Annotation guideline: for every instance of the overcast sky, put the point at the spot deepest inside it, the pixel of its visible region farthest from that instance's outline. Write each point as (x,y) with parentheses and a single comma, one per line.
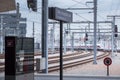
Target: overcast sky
(104,8)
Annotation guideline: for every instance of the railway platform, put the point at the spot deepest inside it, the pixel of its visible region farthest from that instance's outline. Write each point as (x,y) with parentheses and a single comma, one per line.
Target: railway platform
(88,71)
(99,69)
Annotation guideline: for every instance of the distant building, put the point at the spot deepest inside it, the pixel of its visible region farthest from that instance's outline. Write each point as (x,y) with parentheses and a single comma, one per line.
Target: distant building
(10,25)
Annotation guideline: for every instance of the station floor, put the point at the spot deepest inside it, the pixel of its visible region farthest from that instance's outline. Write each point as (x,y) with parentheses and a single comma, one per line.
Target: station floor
(88,71)
(98,69)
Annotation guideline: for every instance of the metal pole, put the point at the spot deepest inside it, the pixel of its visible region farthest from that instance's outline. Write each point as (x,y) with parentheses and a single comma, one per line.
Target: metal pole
(18,18)
(52,39)
(53,43)
(78,8)
(88,27)
(61,54)
(113,25)
(33,30)
(72,42)
(1,36)
(104,44)
(95,28)
(64,42)
(107,70)
(98,38)
(45,33)
(85,40)
(83,22)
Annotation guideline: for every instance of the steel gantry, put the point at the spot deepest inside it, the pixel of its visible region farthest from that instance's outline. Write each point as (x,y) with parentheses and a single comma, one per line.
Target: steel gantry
(86,22)
(114,39)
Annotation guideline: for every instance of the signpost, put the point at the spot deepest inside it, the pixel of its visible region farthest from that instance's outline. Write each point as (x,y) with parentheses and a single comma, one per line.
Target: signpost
(107,62)
(62,16)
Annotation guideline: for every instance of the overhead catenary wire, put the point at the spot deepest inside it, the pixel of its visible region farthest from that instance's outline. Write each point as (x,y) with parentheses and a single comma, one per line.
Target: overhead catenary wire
(81,17)
(117,7)
(79,14)
(78,2)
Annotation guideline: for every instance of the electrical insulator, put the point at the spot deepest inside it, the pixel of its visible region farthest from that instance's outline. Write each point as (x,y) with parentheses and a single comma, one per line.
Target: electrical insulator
(32,4)
(66,32)
(116,31)
(98,38)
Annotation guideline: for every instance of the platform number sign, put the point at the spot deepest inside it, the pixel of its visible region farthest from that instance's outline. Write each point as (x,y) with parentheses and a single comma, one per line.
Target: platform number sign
(10,43)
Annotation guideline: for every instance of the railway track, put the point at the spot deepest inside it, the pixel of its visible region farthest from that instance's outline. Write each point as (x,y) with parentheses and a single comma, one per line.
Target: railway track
(36,55)
(68,57)
(76,62)
(70,60)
